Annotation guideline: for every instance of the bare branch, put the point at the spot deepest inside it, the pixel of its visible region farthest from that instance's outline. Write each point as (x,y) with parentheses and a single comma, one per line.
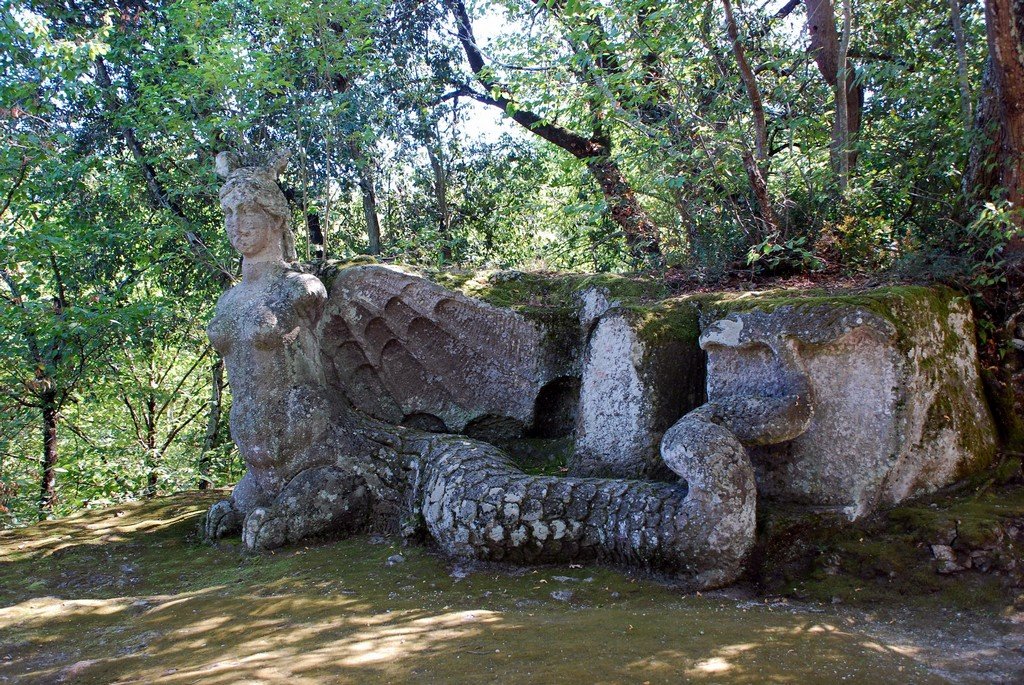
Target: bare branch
(177,388)
(180,427)
(573,143)
(22,174)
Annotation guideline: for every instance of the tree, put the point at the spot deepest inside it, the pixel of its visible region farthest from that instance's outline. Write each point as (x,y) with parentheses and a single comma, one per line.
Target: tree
(1004,21)
(158,380)
(53,319)
(67,292)
(594,148)
(756,164)
(827,49)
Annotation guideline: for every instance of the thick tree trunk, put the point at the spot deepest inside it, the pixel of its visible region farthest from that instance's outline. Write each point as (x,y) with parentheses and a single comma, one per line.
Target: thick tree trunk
(821,26)
(1004,20)
(48,488)
(641,233)
(982,176)
(213,417)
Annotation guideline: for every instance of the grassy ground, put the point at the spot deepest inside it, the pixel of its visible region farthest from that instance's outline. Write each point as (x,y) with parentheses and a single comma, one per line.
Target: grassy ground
(131,594)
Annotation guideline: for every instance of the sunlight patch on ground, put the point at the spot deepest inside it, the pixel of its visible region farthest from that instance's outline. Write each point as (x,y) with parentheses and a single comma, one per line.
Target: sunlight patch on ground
(78,531)
(389,643)
(713,665)
(42,610)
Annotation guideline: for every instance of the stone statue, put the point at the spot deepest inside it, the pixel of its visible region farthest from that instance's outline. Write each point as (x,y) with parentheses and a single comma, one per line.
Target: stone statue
(318,466)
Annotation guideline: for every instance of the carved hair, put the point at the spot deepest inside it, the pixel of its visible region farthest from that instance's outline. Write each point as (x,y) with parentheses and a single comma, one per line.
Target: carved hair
(259,183)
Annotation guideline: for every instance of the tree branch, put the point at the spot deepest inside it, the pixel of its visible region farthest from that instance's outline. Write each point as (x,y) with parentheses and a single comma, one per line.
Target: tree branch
(174,393)
(575,144)
(180,427)
(22,174)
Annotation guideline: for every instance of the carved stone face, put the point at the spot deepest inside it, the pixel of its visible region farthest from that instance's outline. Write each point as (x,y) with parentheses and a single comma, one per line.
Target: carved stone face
(251,229)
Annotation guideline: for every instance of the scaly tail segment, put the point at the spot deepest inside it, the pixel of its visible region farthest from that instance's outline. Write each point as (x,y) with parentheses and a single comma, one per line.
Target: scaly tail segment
(478,504)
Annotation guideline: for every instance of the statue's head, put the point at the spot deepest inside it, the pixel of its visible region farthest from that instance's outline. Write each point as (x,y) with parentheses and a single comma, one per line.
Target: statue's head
(256,213)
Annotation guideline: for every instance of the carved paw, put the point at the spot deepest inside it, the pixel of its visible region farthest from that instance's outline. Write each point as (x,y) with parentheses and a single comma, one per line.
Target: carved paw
(263,530)
(222,520)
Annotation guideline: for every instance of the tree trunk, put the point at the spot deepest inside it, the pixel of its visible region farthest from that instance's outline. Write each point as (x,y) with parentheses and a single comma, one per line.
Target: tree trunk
(441,200)
(366,188)
(961,64)
(641,233)
(750,83)
(1004,20)
(48,489)
(764,201)
(982,176)
(821,26)
(315,234)
(210,437)
(152,455)
(841,135)
(757,171)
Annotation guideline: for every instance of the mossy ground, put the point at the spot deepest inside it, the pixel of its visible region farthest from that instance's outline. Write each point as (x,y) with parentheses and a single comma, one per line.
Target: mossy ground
(131,594)
(888,558)
(540,457)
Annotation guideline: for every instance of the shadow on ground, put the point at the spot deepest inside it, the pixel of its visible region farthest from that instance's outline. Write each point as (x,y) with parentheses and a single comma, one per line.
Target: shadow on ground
(131,594)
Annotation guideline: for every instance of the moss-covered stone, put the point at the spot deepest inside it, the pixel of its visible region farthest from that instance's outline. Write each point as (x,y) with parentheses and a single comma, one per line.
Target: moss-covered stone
(923,378)
(668,320)
(327,270)
(642,370)
(897,401)
(525,290)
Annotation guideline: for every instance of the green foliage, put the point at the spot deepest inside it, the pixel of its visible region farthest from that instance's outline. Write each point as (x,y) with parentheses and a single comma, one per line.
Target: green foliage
(776,257)
(985,239)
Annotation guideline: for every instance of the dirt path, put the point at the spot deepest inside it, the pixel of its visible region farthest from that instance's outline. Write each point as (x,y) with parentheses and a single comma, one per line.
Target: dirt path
(130,595)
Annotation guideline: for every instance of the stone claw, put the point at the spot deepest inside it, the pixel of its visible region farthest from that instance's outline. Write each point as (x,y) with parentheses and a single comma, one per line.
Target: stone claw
(222,520)
(263,530)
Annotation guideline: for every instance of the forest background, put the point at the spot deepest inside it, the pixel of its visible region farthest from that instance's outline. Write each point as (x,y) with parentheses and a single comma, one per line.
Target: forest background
(699,141)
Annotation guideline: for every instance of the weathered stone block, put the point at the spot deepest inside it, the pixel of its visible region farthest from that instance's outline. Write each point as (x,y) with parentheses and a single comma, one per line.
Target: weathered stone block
(639,376)
(897,404)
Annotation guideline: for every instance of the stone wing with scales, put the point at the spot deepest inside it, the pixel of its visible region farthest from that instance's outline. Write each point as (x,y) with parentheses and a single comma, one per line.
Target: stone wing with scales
(408,351)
